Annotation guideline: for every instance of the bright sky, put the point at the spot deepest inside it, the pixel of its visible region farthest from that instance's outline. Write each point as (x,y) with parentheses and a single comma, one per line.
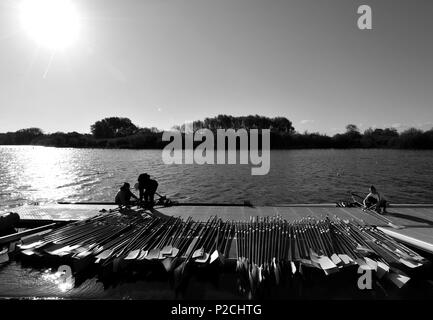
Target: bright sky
(162,62)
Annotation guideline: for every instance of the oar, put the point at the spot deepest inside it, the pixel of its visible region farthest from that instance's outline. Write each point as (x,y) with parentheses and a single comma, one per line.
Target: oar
(63,245)
(210,243)
(380,217)
(183,244)
(150,245)
(398,246)
(180,271)
(376,242)
(373,213)
(216,254)
(241,263)
(38,243)
(97,248)
(178,240)
(223,243)
(277,256)
(147,246)
(109,251)
(66,247)
(206,231)
(133,248)
(78,228)
(124,245)
(323,230)
(17,236)
(230,238)
(107,241)
(168,248)
(134,239)
(155,252)
(174,247)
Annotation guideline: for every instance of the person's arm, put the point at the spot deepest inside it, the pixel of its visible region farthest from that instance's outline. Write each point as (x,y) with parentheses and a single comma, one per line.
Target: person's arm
(365,200)
(133,195)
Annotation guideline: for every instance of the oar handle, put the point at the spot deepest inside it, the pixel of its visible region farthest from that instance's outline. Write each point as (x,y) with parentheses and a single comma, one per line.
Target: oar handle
(19,235)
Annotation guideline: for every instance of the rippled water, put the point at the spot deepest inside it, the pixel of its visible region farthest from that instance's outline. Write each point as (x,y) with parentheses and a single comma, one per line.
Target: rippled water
(42,174)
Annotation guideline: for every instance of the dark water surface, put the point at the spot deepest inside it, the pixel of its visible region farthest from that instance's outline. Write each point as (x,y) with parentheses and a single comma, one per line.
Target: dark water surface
(42,174)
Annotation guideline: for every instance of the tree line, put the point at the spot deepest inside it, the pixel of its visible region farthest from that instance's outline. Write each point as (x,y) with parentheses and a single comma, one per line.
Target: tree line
(115,132)
(222,121)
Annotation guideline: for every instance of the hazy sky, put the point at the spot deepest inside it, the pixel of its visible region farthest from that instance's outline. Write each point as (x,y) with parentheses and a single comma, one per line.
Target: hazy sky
(161,62)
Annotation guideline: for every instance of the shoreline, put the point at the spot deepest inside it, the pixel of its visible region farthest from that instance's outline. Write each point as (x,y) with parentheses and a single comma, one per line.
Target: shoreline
(273,149)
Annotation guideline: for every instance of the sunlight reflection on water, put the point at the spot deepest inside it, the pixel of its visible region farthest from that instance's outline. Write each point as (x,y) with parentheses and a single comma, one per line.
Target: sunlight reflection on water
(30,173)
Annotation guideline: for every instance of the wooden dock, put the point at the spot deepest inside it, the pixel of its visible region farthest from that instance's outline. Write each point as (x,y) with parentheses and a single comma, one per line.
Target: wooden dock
(417,220)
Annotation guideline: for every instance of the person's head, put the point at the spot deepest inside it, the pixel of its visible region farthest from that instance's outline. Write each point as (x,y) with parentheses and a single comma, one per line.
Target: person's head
(125,186)
(143,177)
(373,189)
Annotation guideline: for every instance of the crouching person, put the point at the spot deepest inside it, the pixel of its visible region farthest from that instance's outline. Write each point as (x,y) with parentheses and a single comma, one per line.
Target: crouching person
(124,195)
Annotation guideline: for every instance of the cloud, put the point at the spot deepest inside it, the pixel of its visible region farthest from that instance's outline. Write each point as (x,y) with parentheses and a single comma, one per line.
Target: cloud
(159,109)
(422,126)
(425,126)
(397,125)
(306,121)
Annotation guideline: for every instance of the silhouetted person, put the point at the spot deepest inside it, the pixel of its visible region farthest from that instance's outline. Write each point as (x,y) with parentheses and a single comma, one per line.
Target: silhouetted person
(374,198)
(123,197)
(8,223)
(147,189)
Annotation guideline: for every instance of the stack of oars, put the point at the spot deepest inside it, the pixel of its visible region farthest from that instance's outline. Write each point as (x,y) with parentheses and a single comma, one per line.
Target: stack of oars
(83,238)
(271,250)
(113,238)
(267,251)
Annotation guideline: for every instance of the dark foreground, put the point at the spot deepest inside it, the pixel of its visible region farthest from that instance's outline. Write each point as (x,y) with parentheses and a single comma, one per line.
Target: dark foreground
(296,252)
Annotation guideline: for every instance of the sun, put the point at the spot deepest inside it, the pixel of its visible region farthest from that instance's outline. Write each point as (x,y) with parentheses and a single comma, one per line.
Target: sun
(53,24)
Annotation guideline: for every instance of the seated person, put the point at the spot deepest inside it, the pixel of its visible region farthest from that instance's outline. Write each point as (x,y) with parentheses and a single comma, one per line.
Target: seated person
(8,224)
(123,197)
(374,198)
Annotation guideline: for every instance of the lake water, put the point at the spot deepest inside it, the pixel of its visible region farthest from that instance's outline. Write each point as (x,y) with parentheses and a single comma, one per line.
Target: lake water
(43,174)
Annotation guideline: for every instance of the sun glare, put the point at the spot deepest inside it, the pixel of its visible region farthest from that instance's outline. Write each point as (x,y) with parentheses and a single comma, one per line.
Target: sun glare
(53,24)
